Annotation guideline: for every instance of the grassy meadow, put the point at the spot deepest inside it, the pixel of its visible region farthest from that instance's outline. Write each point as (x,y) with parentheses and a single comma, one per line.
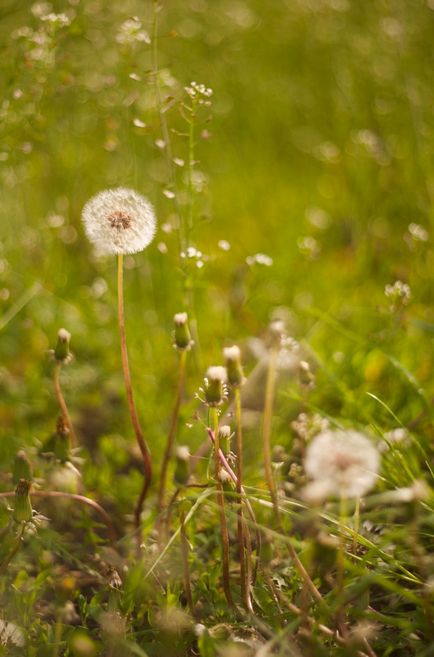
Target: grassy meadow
(287,150)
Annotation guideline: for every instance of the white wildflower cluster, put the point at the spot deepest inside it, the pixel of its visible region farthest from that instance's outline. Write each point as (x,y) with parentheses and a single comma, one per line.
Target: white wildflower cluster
(397,437)
(58,20)
(340,464)
(131,31)
(224,245)
(199,93)
(309,247)
(119,221)
(194,255)
(417,233)
(306,426)
(259,259)
(399,293)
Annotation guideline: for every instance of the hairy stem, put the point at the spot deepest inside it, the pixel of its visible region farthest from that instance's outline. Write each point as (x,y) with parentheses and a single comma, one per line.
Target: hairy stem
(147,463)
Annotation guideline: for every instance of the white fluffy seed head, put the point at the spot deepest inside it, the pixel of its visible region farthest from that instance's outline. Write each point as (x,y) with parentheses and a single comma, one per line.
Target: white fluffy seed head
(119,221)
(216,373)
(63,335)
(343,462)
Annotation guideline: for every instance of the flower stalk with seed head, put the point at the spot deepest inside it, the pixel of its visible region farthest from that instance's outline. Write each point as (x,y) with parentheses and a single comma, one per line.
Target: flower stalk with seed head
(121,221)
(235,376)
(182,343)
(63,356)
(215,393)
(181,477)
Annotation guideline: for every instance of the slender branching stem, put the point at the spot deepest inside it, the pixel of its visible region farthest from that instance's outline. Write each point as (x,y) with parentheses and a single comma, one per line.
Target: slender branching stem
(221,503)
(185,548)
(147,463)
(172,432)
(62,403)
(242,529)
(267,427)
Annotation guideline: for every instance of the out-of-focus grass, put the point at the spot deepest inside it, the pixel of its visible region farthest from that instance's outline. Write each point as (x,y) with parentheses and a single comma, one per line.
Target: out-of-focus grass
(318,153)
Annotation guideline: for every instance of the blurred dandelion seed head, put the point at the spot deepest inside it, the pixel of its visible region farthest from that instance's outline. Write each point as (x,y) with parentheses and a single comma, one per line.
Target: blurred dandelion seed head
(119,221)
(342,463)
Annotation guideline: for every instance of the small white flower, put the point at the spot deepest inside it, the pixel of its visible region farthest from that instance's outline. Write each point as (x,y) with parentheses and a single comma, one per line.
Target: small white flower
(119,221)
(343,463)
(216,373)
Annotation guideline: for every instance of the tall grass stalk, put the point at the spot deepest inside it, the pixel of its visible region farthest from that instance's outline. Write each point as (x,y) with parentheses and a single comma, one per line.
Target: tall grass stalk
(147,463)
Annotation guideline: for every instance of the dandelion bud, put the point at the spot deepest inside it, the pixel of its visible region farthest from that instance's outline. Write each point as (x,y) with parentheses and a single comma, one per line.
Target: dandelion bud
(215,385)
(22,468)
(22,505)
(182,459)
(182,332)
(234,369)
(61,352)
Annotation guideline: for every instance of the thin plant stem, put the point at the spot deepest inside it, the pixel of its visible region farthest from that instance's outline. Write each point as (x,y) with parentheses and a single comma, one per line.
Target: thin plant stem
(164,126)
(247,503)
(62,403)
(356,523)
(245,545)
(172,432)
(266,429)
(266,437)
(221,504)
(147,463)
(185,564)
(8,558)
(340,567)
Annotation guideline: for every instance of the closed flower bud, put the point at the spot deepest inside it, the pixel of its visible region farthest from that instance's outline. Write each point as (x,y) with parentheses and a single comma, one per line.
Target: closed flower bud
(234,370)
(182,335)
(22,505)
(61,352)
(182,459)
(215,385)
(22,468)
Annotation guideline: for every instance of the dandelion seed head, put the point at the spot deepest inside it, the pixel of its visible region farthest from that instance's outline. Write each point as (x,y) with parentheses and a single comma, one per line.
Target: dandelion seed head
(180,318)
(183,453)
(119,221)
(225,431)
(343,462)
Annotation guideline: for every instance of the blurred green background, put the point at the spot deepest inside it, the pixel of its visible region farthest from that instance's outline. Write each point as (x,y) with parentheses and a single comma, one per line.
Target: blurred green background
(317,151)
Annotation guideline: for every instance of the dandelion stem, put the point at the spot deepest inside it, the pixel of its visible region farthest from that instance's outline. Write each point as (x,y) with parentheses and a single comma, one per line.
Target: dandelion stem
(340,567)
(266,429)
(62,403)
(356,524)
(130,397)
(185,563)
(4,564)
(172,431)
(244,544)
(221,503)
